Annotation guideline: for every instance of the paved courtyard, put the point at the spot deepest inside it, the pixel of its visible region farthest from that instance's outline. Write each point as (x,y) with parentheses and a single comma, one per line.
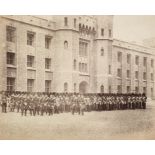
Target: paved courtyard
(127,124)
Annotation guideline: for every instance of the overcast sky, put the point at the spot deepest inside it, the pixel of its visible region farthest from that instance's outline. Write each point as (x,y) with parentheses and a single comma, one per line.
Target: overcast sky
(134,28)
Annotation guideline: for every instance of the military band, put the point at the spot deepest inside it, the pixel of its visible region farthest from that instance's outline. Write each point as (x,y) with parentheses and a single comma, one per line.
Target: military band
(56,103)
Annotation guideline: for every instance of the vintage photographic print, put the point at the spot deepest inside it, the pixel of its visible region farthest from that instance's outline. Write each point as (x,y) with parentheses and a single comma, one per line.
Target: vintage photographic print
(68,77)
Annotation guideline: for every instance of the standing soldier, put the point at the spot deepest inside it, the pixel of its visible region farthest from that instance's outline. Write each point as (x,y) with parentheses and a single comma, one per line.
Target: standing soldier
(4,103)
(144,98)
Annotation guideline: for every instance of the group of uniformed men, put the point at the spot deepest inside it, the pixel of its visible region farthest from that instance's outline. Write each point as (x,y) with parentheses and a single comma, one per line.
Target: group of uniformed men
(55,103)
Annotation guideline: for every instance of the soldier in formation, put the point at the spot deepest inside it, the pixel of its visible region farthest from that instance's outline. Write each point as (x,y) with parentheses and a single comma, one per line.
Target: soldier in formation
(56,103)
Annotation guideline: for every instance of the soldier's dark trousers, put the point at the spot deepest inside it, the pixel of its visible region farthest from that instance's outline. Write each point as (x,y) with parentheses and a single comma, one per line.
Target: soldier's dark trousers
(144,105)
(3,109)
(25,112)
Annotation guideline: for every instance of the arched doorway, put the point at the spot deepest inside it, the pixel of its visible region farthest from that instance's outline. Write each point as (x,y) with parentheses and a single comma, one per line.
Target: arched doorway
(83,87)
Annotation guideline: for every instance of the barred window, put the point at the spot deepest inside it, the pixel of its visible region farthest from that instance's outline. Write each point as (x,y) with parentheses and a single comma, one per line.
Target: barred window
(47,63)
(47,86)
(119,57)
(110,34)
(10,84)
(119,72)
(152,63)
(66,21)
(144,61)
(30,38)
(74,87)
(128,73)
(83,47)
(128,58)
(137,60)
(65,87)
(102,32)
(128,88)
(144,75)
(74,22)
(30,61)
(10,58)
(10,33)
(74,64)
(152,77)
(30,85)
(136,74)
(102,89)
(47,42)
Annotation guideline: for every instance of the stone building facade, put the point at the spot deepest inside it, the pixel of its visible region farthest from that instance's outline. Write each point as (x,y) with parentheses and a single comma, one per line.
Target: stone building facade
(71,54)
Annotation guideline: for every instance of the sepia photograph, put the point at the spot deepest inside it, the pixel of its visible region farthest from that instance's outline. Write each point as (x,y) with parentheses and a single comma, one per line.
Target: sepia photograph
(77,77)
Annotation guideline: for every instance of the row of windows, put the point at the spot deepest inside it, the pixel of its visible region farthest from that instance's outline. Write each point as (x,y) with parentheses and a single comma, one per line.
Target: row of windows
(128,74)
(83,67)
(11,37)
(119,59)
(128,89)
(30,85)
(30,60)
(109,32)
(66,22)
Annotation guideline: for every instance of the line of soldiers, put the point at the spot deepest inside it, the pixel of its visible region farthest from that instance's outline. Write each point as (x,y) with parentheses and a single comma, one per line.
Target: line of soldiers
(55,103)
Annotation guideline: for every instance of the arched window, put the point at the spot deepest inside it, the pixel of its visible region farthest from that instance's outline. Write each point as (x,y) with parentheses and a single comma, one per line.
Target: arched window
(102,51)
(74,65)
(65,87)
(102,89)
(65,44)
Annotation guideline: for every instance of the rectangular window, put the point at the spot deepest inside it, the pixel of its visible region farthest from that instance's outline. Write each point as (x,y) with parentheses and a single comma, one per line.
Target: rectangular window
(119,89)
(86,69)
(109,89)
(30,85)
(47,63)
(137,60)
(152,77)
(119,72)
(128,73)
(128,58)
(128,89)
(136,75)
(30,38)
(144,75)
(144,61)
(74,87)
(102,32)
(144,90)
(83,47)
(74,22)
(136,90)
(109,32)
(10,84)
(10,58)
(66,21)
(152,63)
(10,33)
(109,69)
(47,86)
(151,92)
(30,61)
(119,57)
(47,42)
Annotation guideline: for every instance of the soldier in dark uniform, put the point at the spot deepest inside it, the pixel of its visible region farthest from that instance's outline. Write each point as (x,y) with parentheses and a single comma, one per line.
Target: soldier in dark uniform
(144,98)
(4,103)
